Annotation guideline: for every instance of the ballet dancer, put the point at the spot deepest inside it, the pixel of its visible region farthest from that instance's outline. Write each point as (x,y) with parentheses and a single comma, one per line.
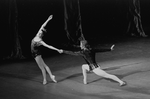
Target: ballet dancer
(89,55)
(36,44)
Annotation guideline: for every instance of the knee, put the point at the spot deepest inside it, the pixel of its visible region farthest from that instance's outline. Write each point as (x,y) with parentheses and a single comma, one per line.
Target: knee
(106,75)
(42,69)
(100,72)
(46,66)
(84,66)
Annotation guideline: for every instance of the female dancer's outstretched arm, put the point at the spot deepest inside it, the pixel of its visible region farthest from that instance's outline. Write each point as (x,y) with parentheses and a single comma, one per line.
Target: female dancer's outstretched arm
(50,47)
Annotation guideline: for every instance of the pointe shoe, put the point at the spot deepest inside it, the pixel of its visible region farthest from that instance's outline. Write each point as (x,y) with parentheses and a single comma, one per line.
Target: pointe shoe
(53,79)
(123,84)
(44,82)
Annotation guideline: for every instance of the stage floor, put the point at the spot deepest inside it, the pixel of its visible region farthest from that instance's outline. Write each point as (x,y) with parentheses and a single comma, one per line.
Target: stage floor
(130,61)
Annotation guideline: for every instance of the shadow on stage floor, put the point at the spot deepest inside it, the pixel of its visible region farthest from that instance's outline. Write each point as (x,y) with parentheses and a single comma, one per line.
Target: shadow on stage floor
(130,61)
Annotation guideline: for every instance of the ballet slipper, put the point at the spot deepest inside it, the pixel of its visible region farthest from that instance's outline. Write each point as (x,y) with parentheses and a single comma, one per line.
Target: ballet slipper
(123,84)
(44,82)
(84,81)
(53,78)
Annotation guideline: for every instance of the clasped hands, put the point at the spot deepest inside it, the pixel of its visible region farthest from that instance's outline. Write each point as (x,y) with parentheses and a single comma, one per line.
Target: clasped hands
(60,51)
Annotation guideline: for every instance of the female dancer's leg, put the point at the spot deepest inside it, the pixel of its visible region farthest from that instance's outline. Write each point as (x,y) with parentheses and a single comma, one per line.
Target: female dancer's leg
(44,68)
(49,72)
(41,66)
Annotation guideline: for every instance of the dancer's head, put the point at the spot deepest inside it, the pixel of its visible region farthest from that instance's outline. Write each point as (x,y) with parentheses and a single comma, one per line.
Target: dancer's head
(83,44)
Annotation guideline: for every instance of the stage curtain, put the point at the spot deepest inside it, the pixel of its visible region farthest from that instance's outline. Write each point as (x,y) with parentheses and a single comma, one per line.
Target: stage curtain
(91,25)
(72,19)
(110,18)
(134,17)
(14,41)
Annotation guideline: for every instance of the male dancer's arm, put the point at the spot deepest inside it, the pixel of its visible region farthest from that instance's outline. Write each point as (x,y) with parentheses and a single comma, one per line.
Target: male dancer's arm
(104,49)
(72,52)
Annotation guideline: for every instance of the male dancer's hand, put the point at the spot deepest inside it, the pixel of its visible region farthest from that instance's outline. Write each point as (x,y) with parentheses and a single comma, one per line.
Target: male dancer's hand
(112,47)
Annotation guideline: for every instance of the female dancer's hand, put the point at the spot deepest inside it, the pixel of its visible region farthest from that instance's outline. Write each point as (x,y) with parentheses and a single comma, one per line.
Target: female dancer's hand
(50,17)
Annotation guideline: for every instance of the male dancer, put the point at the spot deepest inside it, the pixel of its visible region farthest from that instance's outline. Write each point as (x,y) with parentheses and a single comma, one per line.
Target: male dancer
(89,55)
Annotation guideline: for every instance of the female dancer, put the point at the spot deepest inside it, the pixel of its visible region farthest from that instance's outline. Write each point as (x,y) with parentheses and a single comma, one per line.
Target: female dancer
(89,55)
(35,49)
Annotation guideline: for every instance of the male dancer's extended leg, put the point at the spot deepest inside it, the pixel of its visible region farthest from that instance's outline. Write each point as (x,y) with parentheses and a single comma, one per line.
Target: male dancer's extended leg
(102,73)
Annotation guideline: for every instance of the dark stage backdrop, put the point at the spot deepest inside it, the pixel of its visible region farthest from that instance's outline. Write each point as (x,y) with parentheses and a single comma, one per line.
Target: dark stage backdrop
(101,20)
(113,18)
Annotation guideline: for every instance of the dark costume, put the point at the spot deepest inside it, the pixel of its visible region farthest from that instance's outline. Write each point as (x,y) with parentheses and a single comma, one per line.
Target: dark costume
(35,48)
(89,55)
